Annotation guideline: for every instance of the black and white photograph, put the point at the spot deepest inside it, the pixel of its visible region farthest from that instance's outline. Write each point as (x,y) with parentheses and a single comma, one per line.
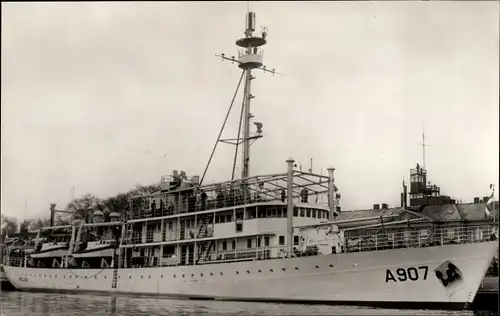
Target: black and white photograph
(250,158)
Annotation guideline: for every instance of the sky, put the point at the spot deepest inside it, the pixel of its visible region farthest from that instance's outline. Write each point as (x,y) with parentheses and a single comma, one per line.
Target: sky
(103,96)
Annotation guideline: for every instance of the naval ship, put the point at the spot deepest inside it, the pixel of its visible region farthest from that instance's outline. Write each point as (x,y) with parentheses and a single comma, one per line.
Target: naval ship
(270,237)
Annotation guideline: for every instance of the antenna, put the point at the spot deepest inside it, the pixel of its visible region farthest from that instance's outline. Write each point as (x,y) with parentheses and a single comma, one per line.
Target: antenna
(424,145)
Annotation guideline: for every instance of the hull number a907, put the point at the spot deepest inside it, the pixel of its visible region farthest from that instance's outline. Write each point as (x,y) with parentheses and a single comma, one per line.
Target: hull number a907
(408,274)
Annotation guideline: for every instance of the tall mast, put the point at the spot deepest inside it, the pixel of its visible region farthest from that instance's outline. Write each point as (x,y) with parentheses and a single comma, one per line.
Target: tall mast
(250,56)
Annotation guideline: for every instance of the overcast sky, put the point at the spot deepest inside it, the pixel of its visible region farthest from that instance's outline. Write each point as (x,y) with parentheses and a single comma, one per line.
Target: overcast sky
(95,94)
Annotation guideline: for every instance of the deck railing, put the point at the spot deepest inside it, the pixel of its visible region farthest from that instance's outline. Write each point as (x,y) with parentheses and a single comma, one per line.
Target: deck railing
(267,188)
(420,238)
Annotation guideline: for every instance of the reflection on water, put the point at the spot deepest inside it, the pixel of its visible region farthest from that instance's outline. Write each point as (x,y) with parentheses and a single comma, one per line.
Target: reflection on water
(42,304)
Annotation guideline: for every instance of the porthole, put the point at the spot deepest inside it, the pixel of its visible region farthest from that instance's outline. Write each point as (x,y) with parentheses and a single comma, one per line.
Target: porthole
(211,274)
(85,277)
(316,266)
(259,270)
(70,276)
(271,270)
(161,276)
(130,277)
(149,277)
(142,277)
(221,273)
(55,276)
(183,275)
(95,277)
(45,276)
(175,276)
(105,277)
(201,274)
(237,272)
(248,271)
(296,268)
(331,265)
(65,277)
(192,275)
(283,269)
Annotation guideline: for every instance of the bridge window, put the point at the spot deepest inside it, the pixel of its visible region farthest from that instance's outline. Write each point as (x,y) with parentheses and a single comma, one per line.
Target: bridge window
(314,213)
(258,241)
(224,245)
(308,213)
(233,244)
(249,243)
(295,212)
(266,241)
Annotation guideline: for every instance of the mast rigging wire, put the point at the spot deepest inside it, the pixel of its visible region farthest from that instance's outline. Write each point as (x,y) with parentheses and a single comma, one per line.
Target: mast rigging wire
(222,128)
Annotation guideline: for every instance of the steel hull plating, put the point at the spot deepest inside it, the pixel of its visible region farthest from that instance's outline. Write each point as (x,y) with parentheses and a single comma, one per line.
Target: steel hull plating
(362,278)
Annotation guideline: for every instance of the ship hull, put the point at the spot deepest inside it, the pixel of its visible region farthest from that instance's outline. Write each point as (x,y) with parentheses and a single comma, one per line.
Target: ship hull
(401,278)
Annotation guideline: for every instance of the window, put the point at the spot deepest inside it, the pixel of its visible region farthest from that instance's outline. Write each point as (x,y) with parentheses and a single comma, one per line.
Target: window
(295,212)
(249,243)
(295,240)
(308,213)
(282,240)
(239,227)
(170,225)
(233,244)
(302,213)
(284,212)
(314,213)
(258,241)
(224,245)
(229,218)
(266,241)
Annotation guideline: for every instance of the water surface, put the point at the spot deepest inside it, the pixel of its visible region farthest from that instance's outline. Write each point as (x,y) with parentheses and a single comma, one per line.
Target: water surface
(44,304)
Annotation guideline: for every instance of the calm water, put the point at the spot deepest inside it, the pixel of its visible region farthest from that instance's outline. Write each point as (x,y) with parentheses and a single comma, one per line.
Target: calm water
(42,304)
